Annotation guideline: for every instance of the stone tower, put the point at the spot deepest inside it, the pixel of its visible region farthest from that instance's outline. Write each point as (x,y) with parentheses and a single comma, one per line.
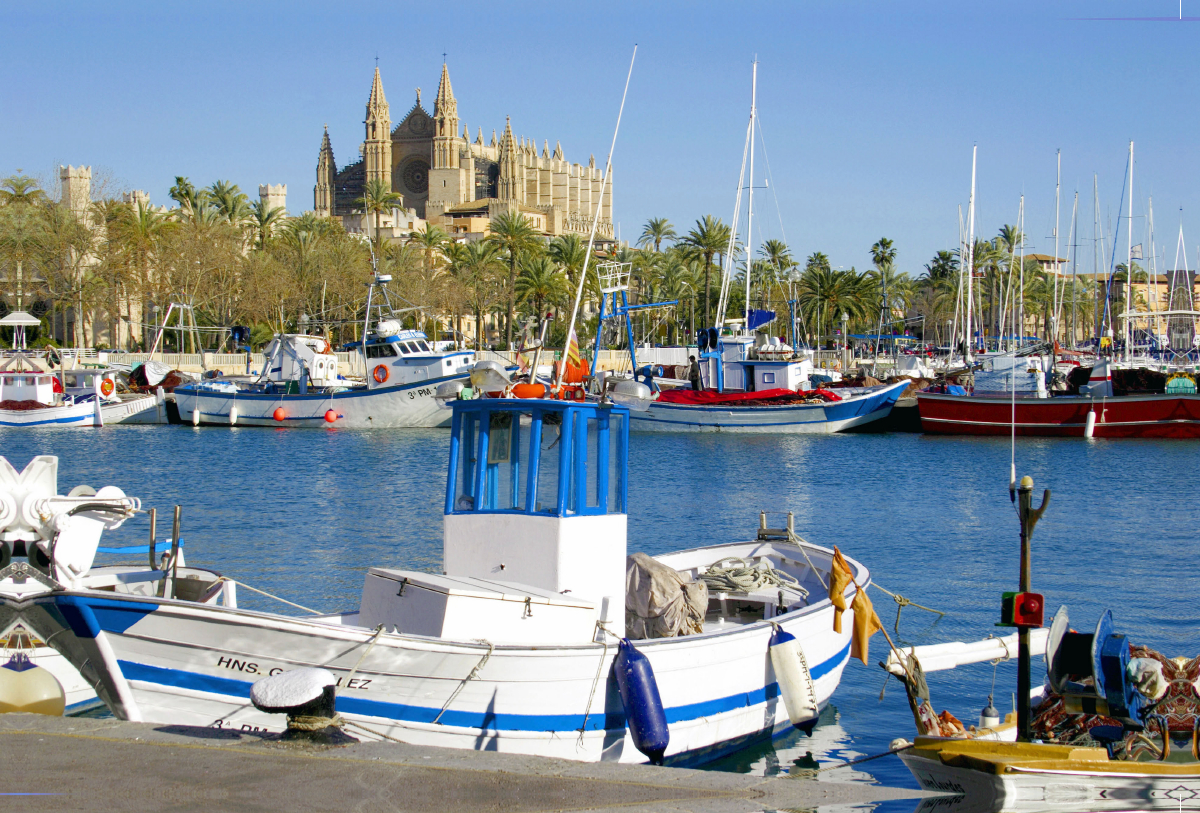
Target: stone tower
(510,185)
(76,188)
(377,147)
(273,196)
(445,120)
(326,170)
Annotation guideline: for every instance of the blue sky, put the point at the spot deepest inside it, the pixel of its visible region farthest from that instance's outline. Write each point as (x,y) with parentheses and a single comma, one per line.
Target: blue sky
(869,109)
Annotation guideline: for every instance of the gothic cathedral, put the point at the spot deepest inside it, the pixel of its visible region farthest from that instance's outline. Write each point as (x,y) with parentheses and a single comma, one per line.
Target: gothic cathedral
(457,184)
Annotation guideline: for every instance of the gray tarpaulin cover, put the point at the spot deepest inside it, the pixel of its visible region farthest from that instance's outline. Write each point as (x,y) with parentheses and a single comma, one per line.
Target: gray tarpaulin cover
(660,602)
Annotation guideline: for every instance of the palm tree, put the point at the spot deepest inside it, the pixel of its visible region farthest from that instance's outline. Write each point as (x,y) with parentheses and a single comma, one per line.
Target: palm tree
(232,204)
(944,265)
(476,265)
(432,242)
(513,234)
(20,189)
(540,282)
(378,197)
(139,229)
(706,239)
(656,230)
(263,220)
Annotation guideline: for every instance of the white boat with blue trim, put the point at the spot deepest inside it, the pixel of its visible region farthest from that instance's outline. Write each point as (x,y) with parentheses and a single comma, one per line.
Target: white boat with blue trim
(526,642)
(32,397)
(300,385)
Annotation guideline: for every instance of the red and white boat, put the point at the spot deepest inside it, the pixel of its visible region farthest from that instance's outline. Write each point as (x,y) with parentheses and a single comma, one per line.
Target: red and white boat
(1095,412)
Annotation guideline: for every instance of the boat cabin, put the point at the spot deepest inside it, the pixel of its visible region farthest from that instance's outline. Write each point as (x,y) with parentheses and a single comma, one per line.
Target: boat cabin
(82,384)
(747,364)
(1001,375)
(396,356)
(305,360)
(535,528)
(27,386)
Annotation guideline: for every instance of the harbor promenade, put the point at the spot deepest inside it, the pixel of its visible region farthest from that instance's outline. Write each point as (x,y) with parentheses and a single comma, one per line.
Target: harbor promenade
(105,764)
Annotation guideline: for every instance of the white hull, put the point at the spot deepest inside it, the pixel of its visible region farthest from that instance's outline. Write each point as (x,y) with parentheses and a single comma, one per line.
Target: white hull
(1027,790)
(142,409)
(792,419)
(178,663)
(408,405)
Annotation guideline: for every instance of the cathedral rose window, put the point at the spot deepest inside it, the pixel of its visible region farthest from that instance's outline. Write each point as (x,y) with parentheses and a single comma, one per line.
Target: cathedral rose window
(416,176)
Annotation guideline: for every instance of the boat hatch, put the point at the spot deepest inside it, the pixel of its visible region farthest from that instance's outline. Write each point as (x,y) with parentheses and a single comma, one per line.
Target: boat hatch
(538,457)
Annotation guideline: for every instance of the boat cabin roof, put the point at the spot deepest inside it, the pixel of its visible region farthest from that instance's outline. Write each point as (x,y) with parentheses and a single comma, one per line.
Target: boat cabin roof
(539,457)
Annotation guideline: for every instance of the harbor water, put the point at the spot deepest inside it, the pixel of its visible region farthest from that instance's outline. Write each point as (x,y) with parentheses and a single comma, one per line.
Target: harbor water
(304,513)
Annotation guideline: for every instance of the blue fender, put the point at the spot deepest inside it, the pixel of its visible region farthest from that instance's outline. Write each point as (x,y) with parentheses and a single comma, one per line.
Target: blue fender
(644,712)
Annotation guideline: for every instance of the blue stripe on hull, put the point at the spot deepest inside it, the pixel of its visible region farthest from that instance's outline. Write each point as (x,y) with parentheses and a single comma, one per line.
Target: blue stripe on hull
(488,721)
(704,416)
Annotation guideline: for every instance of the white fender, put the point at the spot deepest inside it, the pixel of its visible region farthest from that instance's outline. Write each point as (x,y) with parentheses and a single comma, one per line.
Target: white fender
(795,682)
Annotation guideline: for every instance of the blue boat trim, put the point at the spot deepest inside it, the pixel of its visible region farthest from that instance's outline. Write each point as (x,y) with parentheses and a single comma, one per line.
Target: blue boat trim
(487,721)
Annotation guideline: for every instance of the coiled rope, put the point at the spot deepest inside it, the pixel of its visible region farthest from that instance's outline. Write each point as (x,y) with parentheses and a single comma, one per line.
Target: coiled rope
(736,575)
(305,722)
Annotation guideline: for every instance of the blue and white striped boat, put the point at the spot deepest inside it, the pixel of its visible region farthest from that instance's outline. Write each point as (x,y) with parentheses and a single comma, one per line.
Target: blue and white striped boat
(513,647)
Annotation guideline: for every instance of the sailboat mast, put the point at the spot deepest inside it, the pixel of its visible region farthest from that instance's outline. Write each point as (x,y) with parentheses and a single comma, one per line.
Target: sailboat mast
(1057,267)
(750,204)
(1129,265)
(967,348)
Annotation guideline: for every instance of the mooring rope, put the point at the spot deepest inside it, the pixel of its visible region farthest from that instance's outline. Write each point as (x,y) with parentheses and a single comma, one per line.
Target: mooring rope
(362,657)
(860,760)
(800,542)
(306,722)
(902,602)
(595,681)
(271,595)
(474,672)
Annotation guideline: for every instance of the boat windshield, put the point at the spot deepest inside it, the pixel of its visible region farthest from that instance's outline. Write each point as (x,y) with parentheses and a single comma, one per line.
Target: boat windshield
(561,462)
(378,351)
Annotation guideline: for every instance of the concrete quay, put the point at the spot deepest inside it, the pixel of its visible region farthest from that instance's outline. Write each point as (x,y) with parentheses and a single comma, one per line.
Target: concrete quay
(105,764)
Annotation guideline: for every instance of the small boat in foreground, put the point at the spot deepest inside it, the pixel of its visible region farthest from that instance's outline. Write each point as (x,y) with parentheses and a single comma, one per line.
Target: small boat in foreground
(1117,726)
(539,636)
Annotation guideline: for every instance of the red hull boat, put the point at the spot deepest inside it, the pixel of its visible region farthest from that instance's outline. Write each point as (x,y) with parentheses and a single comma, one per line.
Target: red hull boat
(1151,415)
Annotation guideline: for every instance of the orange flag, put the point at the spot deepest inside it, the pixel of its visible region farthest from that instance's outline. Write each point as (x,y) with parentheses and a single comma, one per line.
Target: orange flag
(866,624)
(840,578)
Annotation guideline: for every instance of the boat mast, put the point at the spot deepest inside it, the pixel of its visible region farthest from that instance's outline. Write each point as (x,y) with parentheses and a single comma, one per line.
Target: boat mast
(750,203)
(967,348)
(1096,253)
(1057,267)
(1129,265)
(1074,249)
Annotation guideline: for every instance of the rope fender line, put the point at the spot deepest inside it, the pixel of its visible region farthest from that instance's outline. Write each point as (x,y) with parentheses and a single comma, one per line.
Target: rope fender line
(814,771)
(902,602)
(595,681)
(270,595)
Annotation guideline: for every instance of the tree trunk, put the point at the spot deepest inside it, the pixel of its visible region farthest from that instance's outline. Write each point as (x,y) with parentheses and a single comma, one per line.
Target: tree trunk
(512,284)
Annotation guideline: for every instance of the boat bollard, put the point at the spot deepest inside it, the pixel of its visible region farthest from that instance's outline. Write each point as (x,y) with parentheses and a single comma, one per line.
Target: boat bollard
(308,697)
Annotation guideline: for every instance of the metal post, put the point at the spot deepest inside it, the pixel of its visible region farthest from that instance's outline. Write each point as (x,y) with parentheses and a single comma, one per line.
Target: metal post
(1029,517)
(153,542)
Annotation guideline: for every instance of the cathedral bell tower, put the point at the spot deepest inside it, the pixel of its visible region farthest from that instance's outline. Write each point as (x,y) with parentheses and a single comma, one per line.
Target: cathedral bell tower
(451,181)
(326,171)
(377,147)
(511,184)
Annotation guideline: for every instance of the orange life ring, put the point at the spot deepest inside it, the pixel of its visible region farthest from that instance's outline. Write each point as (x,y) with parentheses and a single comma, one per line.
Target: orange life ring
(380,374)
(106,387)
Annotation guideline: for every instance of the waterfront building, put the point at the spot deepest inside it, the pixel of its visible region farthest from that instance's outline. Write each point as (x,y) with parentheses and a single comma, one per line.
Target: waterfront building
(447,179)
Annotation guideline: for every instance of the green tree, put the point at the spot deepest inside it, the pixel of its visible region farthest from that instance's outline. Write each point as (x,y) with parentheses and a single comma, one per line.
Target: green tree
(541,283)
(655,231)
(378,198)
(708,238)
(263,220)
(513,234)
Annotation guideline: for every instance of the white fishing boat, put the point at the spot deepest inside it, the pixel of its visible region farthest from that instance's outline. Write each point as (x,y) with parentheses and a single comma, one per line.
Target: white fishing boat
(300,385)
(49,541)
(31,397)
(528,640)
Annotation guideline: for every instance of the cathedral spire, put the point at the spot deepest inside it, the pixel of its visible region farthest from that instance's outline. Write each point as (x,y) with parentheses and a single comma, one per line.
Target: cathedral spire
(445,105)
(558,153)
(326,172)
(377,146)
(510,185)
(545,148)
(479,138)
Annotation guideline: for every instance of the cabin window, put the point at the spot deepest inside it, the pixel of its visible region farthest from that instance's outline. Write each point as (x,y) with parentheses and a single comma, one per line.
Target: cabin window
(379,351)
(464,492)
(597,458)
(616,472)
(424,347)
(504,487)
(549,463)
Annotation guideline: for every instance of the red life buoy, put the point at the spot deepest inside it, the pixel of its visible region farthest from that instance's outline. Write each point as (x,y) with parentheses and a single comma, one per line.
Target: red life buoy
(107,387)
(381,374)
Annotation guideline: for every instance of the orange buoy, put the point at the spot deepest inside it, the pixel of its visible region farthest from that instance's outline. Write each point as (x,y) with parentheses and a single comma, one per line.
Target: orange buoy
(279,414)
(380,374)
(534,390)
(330,416)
